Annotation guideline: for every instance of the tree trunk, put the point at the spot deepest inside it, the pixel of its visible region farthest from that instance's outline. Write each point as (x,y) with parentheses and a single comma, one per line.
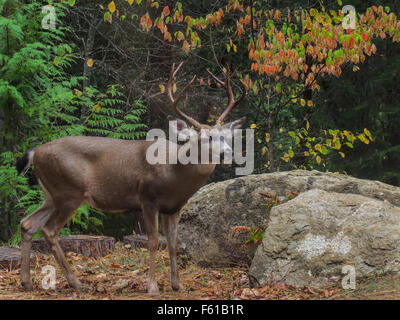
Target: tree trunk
(10,258)
(87,71)
(89,246)
(141,241)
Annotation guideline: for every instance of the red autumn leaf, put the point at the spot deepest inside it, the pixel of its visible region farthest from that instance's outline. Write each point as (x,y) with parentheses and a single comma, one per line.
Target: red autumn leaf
(166,11)
(186,47)
(240,228)
(149,23)
(351,42)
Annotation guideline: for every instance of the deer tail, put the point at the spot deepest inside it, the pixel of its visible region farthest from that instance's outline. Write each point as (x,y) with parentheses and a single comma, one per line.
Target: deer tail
(24,162)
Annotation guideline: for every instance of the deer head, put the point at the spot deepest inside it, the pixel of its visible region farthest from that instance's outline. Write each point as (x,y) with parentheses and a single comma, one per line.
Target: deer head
(216,138)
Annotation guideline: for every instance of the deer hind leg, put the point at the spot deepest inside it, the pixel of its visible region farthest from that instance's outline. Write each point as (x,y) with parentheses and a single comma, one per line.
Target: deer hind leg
(50,231)
(170,223)
(29,226)
(150,217)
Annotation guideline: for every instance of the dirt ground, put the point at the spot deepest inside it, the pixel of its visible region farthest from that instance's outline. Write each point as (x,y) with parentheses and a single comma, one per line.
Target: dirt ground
(122,275)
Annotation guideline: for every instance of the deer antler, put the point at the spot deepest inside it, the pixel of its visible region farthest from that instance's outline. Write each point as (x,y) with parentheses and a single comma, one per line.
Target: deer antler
(174,102)
(231,98)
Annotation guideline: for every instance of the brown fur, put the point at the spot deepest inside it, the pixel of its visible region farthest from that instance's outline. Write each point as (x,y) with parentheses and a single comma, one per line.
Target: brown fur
(113,176)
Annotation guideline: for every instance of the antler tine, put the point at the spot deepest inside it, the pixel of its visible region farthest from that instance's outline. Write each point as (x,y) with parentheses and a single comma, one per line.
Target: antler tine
(231,98)
(174,102)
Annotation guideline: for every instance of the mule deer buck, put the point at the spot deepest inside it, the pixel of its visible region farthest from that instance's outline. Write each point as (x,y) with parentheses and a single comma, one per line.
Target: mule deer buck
(114,176)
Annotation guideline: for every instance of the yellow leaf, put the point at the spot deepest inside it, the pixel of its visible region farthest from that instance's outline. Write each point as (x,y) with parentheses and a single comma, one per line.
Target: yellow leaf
(267,137)
(310,103)
(366,131)
(130,2)
(174,88)
(356,68)
(97,107)
(306,154)
(280,130)
(318,147)
(294,100)
(318,159)
(286,157)
(90,62)
(162,88)
(253,126)
(303,102)
(363,138)
(307,125)
(111,6)
(264,150)
(342,154)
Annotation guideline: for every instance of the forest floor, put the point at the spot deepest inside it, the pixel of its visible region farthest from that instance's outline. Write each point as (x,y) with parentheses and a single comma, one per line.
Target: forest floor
(122,275)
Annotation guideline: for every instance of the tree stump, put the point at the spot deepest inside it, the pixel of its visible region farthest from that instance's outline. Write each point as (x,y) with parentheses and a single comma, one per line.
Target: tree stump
(140,241)
(89,246)
(10,258)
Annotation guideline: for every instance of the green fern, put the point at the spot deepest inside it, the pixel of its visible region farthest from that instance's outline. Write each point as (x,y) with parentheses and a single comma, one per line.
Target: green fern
(40,103)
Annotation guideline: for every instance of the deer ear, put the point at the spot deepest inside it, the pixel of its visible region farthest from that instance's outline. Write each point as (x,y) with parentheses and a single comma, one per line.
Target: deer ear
(180,129)
(177,124)
(237,124)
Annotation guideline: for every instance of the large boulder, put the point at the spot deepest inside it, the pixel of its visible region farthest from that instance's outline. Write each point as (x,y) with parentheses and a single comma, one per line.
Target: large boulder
(210,216)
(312,237)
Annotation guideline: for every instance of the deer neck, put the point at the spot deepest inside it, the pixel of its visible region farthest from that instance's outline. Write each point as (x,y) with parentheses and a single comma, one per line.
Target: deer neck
(196,169)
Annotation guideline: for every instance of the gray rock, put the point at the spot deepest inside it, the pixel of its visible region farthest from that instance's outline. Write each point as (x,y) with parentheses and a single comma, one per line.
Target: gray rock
(209,217)
(312,237)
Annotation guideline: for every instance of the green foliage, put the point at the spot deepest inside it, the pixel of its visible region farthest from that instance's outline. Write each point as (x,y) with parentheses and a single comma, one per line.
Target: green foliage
(367,98)
(107,120)
(40,102)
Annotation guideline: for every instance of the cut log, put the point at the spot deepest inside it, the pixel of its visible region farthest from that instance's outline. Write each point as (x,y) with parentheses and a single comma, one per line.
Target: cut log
(89,246)
(10,258)
(140,241)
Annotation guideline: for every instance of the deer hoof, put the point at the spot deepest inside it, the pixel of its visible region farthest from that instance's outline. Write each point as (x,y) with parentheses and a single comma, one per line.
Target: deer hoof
(76,284)
(27,286)
(178,287)
(153,290)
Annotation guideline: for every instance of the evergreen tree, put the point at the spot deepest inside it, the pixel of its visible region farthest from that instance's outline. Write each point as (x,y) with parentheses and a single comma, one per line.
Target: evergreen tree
(40,102)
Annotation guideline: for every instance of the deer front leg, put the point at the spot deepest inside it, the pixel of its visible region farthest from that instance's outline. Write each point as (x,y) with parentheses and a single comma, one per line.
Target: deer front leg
(171,232)
(150,217)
